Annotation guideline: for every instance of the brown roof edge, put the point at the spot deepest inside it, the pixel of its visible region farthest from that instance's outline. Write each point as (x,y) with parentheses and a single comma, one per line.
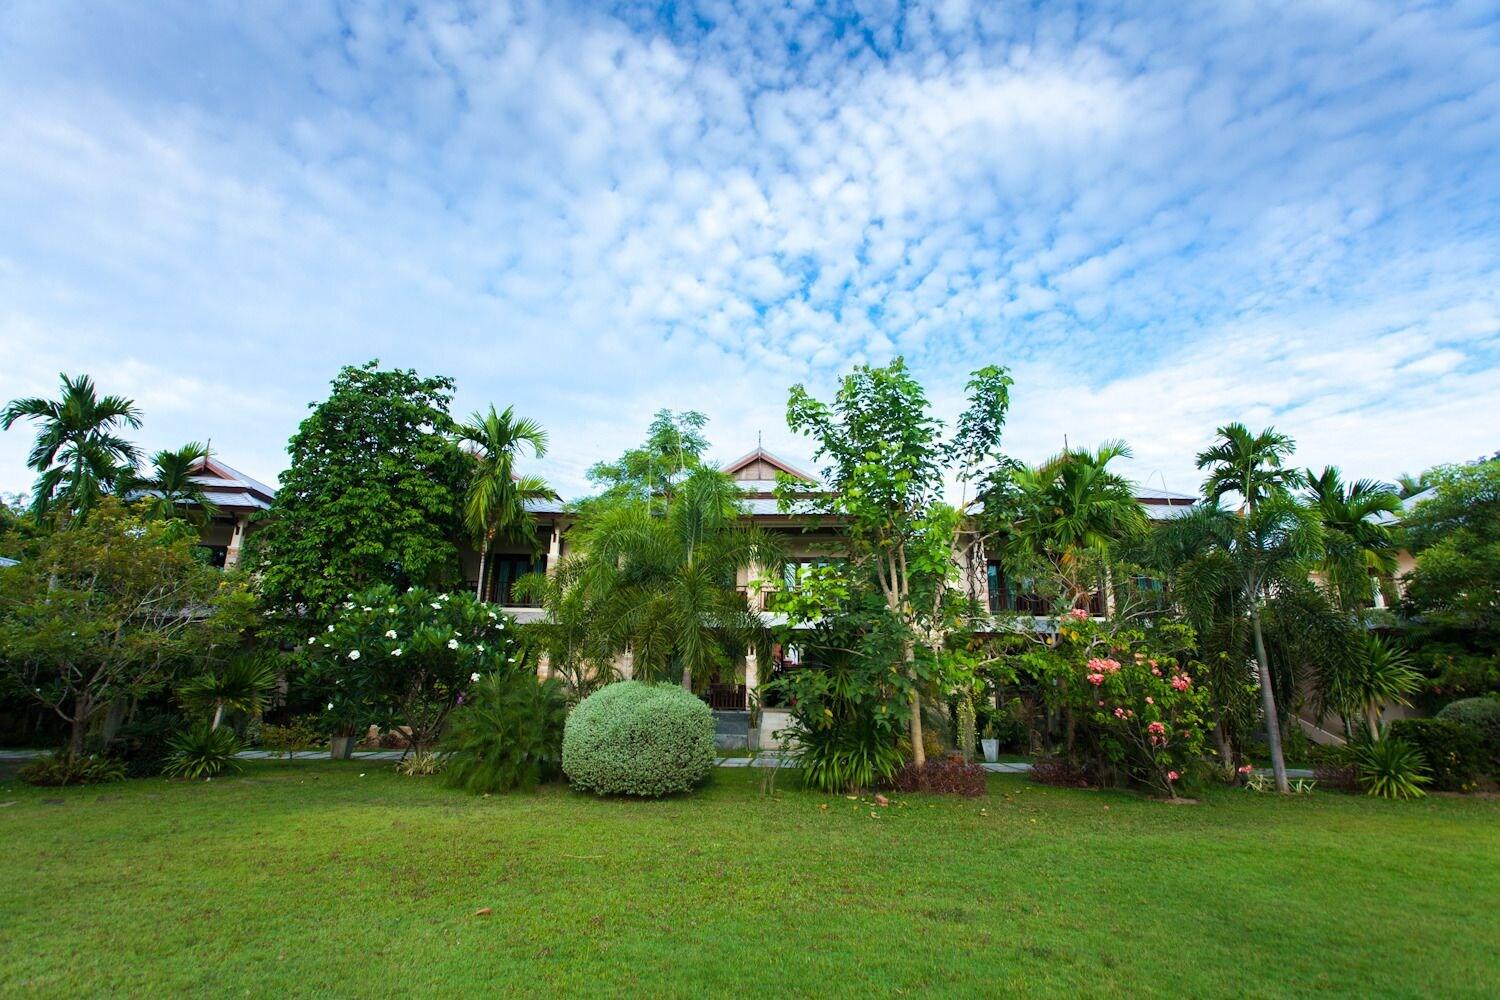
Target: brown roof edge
(761,455)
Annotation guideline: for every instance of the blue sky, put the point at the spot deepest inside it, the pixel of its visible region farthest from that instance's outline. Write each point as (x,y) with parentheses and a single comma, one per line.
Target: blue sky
(1161,219)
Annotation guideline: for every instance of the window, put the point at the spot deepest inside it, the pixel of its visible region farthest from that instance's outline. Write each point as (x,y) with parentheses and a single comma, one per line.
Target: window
(505,570)
(217,554)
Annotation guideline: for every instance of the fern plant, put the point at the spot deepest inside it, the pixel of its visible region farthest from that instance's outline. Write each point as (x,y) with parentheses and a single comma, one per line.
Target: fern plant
(202,752)
(1390,768)
(507,734)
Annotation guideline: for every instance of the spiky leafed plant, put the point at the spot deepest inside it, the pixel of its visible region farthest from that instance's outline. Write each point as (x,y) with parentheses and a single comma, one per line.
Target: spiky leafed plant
(1382,675)
(1389,768)
(171,489)
(202,752)
(1356,542)
(1248,464)
(241,683)
(507,734)
(663,586)
(497,503)
(78,452)
(1072,511)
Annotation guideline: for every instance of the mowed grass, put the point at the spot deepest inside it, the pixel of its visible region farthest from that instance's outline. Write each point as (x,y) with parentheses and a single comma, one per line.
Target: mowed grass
(335,879)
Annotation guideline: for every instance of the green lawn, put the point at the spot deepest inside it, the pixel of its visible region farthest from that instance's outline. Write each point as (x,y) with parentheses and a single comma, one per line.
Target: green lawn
(322,878)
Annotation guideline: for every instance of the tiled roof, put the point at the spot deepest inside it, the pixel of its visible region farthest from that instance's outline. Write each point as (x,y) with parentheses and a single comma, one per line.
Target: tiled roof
(761,455)
(228,487)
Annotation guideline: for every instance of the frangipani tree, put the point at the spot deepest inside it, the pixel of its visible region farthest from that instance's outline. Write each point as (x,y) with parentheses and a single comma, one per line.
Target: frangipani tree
(407,658)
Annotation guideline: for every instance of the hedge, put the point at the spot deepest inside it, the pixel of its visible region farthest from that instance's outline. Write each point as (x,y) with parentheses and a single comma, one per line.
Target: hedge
(634,738)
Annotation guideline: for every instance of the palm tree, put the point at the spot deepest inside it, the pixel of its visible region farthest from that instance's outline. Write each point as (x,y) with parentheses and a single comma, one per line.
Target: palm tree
(1072,512)
(239,684)
(662,585)
(1409,486)
(171,490)
(497,505)
(78,453)
(1365,684)
(1247,464)
(1355,541)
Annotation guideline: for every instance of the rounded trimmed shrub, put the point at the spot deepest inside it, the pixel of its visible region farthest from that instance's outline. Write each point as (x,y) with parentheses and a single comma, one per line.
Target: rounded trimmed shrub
(634,738)
(1482,717)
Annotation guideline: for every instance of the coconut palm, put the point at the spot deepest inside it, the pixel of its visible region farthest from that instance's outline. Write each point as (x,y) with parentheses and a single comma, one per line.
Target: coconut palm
(240,684)
(497,504)
(78,451)
(1355,540)
(1248,464)
(1072,512)
(662,585)
(171,489)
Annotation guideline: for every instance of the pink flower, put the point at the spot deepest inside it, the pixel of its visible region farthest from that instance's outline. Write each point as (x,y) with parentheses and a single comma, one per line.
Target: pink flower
(1173,775)
(1101,704)
(1096,679)
(1247,768)
(1104,666)
(1140,657)
(1156,671)
(1181,682)
(1078,613)
(1157,728)
(1119,713)
(1150,700)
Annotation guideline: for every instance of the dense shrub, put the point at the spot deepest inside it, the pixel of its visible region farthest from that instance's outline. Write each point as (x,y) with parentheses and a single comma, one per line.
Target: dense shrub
(1389,768)
(944,775)
(855,753)
(143,743)
(57,769)
(299,733)
(1453,752)
(1482,715)
(420,764)
(1060,771)
(1333,767)
(508,733)
(202,752)
(642,739)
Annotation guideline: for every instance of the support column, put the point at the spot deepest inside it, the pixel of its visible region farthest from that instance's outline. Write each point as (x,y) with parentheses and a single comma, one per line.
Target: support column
(554,549)
(236,539)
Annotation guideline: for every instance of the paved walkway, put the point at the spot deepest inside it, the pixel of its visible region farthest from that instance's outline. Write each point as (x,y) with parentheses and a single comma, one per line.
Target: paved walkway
(761,760)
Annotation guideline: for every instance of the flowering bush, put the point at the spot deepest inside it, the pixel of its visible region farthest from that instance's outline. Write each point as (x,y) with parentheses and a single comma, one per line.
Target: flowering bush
(407,659)
(1145,711)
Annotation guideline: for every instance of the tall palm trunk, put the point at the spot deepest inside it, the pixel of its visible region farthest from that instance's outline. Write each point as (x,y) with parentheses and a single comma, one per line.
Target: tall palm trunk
(687,679)
(484,555)
(1374,721)
(1268,703)
(218,715)
(918,752)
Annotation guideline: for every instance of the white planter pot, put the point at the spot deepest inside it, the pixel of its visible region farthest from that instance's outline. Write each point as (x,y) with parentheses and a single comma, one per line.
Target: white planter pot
(991,750)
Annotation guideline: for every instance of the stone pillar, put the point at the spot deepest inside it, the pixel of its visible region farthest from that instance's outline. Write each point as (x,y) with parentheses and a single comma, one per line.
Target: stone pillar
(236,539)
(554,549)
(626,664)
(752,678)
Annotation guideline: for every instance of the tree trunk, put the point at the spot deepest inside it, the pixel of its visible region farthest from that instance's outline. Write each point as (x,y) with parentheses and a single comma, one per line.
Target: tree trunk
(687,679)
(80,725)
(484,554)
(1268,703)
(1226,754)
(1374,720)
(918,752)
(218,715)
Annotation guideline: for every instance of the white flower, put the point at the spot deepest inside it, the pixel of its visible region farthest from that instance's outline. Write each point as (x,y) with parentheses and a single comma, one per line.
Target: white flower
(396,652)
(390,633)
(311,639)
(442,597)
(353,654)
(481,647)
(452,643)
(474,678)
(330,706)
(436,606)
(330,628)
(369,609)
(390,611)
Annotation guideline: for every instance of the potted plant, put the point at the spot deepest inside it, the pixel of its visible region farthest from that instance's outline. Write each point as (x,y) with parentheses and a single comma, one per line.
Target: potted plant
(989,743)
(341,719)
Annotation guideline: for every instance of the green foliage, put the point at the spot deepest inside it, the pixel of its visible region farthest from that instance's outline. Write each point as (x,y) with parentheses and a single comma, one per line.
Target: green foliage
(650,473)
(1364,684)
(404,659)
(635,738)
(142,743)
(241,683)
(661,584)
(1248,465)
(372,496)
(78,452)
(97,613)
(300,733)
(53,770)
(1453,752)
(1389,768)
(508,734)
(202,752)
(497,499)
(1456,538)
(1356,542)
(169,489)
(1482,715)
